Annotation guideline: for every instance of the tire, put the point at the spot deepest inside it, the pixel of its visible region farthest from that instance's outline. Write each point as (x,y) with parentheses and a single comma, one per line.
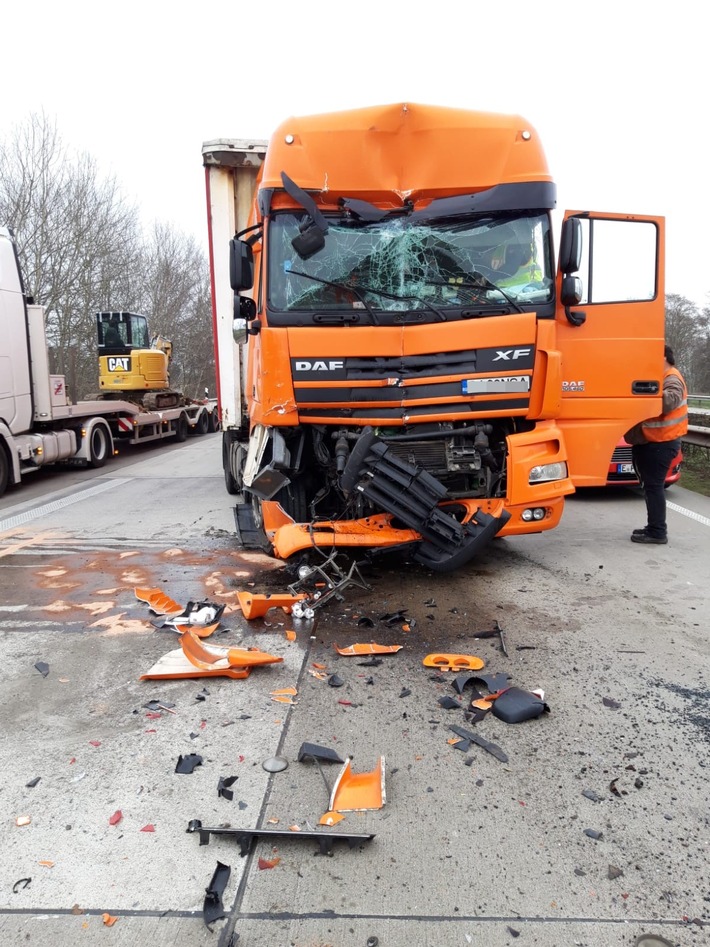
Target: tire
(232,483)
(4,470)
(202,425)
(99,446)
(181,429)
(294,500)
(213,422)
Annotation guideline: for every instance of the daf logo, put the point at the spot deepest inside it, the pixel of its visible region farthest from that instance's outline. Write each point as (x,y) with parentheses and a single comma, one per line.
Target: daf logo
(507,354)
(119,364)
(331,366)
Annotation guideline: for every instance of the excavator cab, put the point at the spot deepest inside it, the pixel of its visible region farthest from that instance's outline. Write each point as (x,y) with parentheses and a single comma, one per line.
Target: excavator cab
(128,364)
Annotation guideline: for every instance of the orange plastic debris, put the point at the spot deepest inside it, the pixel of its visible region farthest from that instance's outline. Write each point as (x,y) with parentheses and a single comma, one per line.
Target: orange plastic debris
(158,601)
(46,864)
(330,818)
(369,648)
(266,863)
(284,696)
(115,818)
(290,635)
(353,792)
(196,659)
(202,631)
(453,662)
(108,919)
(256,606)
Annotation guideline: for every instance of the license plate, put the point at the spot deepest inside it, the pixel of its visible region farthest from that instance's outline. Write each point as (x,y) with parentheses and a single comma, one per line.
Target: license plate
(625,468)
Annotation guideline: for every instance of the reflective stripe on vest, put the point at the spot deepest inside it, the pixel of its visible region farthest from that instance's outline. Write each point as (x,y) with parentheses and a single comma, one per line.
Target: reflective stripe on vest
(668,427)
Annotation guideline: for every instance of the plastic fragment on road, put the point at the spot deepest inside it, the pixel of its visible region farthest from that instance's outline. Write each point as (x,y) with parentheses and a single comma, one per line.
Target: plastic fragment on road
(213,909)
(453,662)
(284,696)
(21,884)
(356,792)
(108,919)
(256,606)
(198,613)
(46,863)
(290,635)
(42,667)
(202,631)
(223,785)
(188,763)
(486,745)
(22,820)
(330,818)
(265,863)
(368,648)
(32,783)
(158,602)
(516,705)
(196,659)
(148,828)
(275,764)
(246,837)
(115,818)
(312,751)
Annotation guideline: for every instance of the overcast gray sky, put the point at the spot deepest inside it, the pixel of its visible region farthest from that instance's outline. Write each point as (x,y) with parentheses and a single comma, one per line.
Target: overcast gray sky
(617,90)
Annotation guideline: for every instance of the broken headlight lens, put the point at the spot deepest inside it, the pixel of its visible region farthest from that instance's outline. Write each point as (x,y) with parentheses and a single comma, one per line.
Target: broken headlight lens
(546,472)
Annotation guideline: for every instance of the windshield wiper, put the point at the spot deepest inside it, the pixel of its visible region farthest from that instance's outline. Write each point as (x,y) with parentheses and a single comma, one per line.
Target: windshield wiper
(482,282)
(381,292)
(345,286)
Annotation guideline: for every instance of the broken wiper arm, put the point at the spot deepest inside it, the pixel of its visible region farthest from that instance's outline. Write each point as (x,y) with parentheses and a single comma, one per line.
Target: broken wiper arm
(347,286)
(381,292)
(481,282)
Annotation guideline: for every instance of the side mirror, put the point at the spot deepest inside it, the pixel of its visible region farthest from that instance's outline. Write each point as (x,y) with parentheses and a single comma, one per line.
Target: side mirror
(571,292)
(239,331)
(241,265)
(571,246)
(244,313)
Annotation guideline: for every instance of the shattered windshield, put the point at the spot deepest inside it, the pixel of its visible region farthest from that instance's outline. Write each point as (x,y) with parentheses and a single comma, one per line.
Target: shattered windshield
(424,266)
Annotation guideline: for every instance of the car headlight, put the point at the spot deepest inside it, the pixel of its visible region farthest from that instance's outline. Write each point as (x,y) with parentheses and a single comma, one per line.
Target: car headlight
(546,472)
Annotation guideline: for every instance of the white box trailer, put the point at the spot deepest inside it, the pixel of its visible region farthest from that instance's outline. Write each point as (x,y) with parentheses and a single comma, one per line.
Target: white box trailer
(38,425)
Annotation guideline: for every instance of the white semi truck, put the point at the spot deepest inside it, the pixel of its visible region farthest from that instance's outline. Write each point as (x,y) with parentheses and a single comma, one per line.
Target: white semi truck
(38,425)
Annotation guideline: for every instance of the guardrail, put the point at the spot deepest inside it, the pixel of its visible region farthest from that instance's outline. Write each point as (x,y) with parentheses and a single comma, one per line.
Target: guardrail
(697,435)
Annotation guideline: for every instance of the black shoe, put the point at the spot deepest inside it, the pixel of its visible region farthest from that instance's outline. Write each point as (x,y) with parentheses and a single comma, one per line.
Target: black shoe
(646,538)
(640,532)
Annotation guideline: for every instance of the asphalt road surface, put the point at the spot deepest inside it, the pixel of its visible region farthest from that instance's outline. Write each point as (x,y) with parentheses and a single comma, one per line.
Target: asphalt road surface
(588,827)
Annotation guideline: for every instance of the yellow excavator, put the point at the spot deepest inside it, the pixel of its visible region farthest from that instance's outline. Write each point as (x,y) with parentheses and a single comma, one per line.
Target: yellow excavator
(130,366)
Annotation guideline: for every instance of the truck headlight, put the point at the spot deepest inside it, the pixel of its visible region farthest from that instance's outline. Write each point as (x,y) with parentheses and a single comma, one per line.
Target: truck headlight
(545,472)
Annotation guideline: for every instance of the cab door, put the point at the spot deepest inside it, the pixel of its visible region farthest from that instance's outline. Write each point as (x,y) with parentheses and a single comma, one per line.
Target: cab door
(610,331)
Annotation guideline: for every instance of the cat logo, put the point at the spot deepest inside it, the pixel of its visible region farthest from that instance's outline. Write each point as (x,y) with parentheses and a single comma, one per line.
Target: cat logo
(119,363)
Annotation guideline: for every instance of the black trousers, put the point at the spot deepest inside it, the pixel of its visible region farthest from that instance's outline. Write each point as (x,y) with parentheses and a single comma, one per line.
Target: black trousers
(652,462)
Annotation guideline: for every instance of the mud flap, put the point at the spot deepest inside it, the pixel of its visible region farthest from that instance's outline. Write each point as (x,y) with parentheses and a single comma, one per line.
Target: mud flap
(249,535)
(413,496)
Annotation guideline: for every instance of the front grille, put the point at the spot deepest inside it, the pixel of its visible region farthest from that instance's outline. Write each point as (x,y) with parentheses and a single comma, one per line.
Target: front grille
(622,455)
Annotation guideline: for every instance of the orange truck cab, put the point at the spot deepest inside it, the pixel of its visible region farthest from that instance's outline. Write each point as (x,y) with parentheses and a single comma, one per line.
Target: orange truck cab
(404,360)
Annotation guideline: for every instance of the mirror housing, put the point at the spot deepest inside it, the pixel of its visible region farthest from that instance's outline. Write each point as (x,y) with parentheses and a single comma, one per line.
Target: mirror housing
(571,291)
(241,264)
(571,246)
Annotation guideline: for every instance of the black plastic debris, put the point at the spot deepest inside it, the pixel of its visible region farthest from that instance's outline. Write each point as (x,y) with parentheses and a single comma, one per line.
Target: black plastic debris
(33,782)
(405,692)
(461,680)
(158,705)
(430,603)
(474,714)
(198,613)
(394,618)
(335,680)
(242,805)
(373,662)
(365,622)
(42,667)
(495,632)
(448,703)
(189,763)
(593,833)
(614,872)
(611,703)
(213,909)
(246,837)
(512,931)
(223,785)
(491,748)
(517,705)
(494,682)
(203,695)
(24,882)
(463,745)
(312,751)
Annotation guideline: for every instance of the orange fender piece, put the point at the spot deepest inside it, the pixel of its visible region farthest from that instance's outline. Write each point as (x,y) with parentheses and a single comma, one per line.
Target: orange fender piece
(453,662)
(369,648)
(210,656)
(256,606)
(353,792)
(158,601)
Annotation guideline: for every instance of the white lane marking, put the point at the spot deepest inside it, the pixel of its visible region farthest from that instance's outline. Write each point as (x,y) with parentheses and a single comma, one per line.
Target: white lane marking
(689,513)
(55,505)
(13,608)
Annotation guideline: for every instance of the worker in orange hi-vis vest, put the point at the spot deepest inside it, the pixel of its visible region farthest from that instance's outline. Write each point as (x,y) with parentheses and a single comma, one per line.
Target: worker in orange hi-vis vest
(655,443)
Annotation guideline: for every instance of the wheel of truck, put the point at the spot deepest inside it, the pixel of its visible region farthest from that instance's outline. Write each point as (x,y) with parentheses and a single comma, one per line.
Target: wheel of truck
(213,422)
(294,501)
(99,446)
(232,483)
(4,470)
(181,428)
(202,424)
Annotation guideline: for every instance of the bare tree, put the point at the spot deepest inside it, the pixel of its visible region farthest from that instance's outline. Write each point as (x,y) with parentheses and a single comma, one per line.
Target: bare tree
(82,251)
(687,335)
